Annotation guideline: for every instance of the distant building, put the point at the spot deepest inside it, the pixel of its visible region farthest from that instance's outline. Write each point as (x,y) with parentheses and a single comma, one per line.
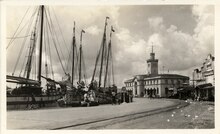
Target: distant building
(153,84)
(204,79)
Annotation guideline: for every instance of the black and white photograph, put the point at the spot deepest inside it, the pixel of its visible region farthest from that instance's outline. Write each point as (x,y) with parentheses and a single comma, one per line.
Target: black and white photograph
(110,67)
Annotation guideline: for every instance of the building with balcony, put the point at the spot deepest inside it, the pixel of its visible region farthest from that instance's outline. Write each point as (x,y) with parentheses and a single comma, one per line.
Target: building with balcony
(204,79)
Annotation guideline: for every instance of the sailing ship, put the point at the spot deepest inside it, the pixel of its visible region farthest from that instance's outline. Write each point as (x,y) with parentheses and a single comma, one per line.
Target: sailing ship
(104,85)
(65,92)
(29,91)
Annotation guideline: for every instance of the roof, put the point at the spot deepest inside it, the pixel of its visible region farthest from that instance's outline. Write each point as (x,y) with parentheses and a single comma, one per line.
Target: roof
(168,76)
(129,80)
(204,85)
(148,76)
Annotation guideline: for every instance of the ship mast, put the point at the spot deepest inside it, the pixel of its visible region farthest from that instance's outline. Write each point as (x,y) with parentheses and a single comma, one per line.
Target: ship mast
(80,56)
(103,43)
(74,44)
(109,50)
(41,42)
(31,50)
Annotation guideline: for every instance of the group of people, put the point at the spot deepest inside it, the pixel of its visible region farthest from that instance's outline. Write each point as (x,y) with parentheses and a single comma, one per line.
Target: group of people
(116,98)
(89,97)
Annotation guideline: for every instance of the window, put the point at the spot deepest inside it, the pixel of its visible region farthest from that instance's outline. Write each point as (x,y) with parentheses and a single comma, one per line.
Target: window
(166,81)
(166,90)
(209,66)
(184,81)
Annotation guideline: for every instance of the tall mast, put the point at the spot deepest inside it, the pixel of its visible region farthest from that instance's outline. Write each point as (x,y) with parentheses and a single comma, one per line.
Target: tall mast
(31,50)
(74,43)
(41,43)
(80,56)
(109,49)
(103,43)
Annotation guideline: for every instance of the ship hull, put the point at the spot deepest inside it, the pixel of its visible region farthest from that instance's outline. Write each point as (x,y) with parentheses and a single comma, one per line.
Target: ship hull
(24,102)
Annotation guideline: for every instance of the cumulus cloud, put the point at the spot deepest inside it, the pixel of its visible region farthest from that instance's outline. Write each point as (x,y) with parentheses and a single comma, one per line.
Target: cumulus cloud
(176,47)
(156,23)
(94,30)
(179,50)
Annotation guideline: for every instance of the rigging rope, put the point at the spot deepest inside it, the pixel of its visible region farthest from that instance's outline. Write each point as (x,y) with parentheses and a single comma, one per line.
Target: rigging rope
(61,31)
(55,44)
(31,48)
(18,37)
(76,71)
(69,57)
(51,63)
(45,51)
(84,68)
(96,63)
(18,27)
(23,44)
(113,77)
(35,65)
(23,62)
(56,37)
(15,34)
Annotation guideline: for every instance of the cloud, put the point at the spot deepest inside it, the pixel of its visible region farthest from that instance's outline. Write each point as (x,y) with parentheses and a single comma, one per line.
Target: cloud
(178,45)
(204,31)
(94,30)
(123,34)
(156,23)
(178,50)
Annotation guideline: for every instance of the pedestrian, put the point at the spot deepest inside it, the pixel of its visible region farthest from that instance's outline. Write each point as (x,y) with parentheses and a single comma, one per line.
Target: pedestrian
(33,101)
(86,99)
(113,97)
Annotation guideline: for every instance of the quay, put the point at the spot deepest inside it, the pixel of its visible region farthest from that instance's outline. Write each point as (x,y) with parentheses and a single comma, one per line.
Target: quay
(45,119)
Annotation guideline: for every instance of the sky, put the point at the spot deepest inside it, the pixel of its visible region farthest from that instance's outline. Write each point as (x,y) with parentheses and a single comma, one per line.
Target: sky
(182,36)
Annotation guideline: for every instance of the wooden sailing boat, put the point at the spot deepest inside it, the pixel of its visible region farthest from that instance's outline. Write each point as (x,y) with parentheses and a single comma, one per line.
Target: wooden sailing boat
(105,51)
(74,95)
(29,90)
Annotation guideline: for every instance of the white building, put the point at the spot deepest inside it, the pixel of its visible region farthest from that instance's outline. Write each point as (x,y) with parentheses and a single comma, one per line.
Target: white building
(154,84)
(205,79)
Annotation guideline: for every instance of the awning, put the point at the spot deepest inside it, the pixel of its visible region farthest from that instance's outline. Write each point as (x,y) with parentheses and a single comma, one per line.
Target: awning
(209,87)
(204,85)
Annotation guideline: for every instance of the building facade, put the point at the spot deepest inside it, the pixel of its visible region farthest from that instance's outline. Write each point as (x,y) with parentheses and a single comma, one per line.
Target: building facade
(204,79)
(153,84)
